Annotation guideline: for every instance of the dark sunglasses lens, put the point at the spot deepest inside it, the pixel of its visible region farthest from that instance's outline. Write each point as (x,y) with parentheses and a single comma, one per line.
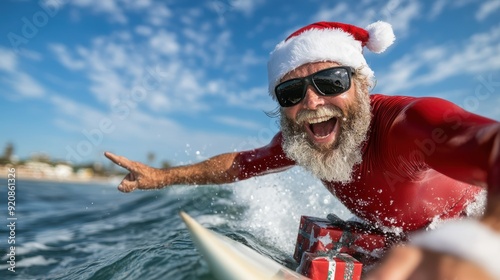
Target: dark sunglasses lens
(332,81)
(290,92)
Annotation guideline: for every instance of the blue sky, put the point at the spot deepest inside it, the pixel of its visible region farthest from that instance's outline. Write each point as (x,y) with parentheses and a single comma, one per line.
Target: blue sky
(187,79)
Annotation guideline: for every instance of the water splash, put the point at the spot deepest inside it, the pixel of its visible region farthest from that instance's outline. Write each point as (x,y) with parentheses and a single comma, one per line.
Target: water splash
(275,203)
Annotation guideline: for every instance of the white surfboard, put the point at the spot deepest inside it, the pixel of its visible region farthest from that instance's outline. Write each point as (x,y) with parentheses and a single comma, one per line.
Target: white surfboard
(230,260)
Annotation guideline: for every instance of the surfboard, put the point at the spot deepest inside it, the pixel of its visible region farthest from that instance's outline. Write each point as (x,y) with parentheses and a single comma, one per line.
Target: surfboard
(230,260)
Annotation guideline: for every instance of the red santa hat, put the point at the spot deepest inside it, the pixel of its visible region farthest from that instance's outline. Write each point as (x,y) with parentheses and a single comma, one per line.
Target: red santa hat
(328,41)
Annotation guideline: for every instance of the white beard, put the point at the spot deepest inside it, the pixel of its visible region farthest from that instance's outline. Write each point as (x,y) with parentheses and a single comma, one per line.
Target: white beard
(336,162)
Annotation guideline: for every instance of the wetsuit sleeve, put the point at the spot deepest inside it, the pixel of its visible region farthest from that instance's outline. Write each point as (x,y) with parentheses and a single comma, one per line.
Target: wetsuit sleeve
(444,137)
(268,159)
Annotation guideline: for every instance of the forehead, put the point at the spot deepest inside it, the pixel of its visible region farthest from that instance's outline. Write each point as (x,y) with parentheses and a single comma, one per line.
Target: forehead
(308,69)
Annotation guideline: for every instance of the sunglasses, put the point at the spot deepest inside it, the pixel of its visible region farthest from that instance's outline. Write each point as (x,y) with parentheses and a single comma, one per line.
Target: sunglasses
(328,82)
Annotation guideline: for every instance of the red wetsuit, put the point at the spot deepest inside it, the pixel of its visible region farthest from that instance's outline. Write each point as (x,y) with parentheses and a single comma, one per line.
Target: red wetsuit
(423,158)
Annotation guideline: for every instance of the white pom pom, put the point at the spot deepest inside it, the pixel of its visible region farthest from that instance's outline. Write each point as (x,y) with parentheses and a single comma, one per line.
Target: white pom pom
(381,36)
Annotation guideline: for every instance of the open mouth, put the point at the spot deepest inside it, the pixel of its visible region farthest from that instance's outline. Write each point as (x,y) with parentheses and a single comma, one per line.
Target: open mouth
(322,130)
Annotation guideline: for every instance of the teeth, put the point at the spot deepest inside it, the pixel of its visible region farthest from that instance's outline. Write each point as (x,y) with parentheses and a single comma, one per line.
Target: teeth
(315,116)
(320,119)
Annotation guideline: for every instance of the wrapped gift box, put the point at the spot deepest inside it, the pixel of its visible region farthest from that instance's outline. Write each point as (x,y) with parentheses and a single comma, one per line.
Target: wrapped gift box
(320,266)
(355,239)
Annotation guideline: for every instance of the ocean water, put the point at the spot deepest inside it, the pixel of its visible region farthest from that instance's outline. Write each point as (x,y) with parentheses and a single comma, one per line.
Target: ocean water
(92,231)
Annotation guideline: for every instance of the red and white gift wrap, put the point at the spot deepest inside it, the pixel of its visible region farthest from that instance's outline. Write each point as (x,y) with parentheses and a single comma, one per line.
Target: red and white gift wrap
(321,235)
(318,266)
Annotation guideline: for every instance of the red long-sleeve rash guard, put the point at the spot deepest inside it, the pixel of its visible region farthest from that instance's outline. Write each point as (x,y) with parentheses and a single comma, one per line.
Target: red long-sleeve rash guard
(423,158)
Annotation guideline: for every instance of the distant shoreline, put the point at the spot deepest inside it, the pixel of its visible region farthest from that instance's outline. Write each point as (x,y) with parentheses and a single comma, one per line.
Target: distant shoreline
(96,180)
(44,172)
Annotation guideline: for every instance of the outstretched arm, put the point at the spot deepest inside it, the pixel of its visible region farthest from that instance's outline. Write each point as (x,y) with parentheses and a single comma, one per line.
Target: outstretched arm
(220,169)
(216,170)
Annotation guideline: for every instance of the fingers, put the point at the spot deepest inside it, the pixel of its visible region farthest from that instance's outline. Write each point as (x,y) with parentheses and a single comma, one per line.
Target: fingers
(128,183)
(399,264)
(119,160)
(139,177)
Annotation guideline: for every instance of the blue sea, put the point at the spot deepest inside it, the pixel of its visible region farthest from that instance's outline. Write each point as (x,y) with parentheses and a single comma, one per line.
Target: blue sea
(92,231)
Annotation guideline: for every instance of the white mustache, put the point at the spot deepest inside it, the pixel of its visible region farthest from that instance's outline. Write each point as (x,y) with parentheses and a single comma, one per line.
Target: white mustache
(305,116)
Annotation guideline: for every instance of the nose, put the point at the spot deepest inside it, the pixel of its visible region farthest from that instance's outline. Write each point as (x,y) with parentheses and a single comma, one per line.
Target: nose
(312,100)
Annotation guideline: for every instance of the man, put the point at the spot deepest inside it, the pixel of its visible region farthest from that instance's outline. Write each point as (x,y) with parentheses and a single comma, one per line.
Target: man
(394,161)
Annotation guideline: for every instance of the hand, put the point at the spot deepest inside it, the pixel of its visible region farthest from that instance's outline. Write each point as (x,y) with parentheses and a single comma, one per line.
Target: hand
(141,176)
(409,262)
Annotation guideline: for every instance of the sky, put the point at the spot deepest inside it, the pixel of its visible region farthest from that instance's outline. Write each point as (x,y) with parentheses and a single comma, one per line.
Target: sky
(186,80)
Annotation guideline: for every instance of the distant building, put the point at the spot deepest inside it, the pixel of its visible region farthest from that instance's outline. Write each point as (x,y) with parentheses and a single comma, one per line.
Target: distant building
(85,173)
(63,171)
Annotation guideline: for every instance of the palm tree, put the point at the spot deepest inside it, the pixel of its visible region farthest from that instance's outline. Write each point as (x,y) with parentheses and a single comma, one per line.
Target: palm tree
(151,158)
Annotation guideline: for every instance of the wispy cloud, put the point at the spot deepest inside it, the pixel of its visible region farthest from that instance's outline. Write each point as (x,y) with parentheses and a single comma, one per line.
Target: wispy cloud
(8,59)
(399,13)
(437,8)
(163,67)
(246,6)
(164,43)
(225,7)
(111,8)
(487,8)
(331,13)
(79,115)
(144,30)
(255,97)
(158,14)
(117,10)
(250,58)
(65,59)
(21,83)
(26,86)
(238,122)
(164,134)
(478,54)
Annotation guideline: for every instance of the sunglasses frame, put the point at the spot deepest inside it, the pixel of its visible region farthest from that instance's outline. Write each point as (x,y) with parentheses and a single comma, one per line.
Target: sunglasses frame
(309,80)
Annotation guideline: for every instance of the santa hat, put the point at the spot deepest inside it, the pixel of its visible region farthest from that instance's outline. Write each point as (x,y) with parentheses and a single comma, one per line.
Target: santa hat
(328,41)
